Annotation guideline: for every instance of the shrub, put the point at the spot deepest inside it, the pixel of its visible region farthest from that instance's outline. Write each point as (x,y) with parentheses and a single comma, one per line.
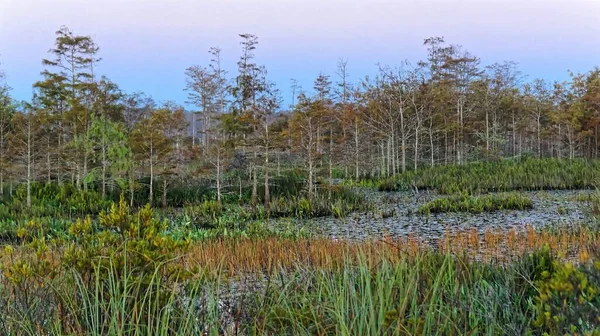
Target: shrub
(569,300)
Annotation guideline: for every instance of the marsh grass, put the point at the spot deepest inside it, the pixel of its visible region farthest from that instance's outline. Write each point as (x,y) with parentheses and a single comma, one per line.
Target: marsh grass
(477,204)
(501,175)
(370,289)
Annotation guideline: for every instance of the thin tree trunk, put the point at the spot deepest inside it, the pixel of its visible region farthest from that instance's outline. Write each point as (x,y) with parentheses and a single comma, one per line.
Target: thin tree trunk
(48,165)
(29,162)
(416,158)
(487,131)
(85,161)
(164,193)
(254,199)
(104,159)
(330,154)
(150,196)
(59,153)
(219,177)
(267,200)
(310,161)
(356,149)
(431,142)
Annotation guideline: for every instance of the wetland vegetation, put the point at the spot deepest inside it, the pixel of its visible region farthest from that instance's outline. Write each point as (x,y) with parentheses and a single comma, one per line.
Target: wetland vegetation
(445,198)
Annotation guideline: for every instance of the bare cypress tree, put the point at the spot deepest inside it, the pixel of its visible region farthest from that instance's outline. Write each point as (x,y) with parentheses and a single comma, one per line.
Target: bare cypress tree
(305,121)
(245,92)
(462,69)
(219,79)
(202,91)
(23,143)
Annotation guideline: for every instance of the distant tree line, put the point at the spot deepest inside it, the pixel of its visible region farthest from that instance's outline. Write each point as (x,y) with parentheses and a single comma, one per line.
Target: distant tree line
(81,128)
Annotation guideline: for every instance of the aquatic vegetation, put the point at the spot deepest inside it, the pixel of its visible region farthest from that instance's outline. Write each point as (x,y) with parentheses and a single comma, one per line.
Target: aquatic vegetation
(227,268)
(477,204)
(500,175)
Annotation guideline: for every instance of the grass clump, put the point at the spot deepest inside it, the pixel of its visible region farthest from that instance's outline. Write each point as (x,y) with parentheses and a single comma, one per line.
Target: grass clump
(477,204)
(501,175)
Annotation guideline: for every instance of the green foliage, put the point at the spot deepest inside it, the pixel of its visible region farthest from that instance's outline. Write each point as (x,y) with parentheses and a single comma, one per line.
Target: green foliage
(472,204)
(111,136)
(569,300)
(532,268)
(204,214)
(501,175)
(124,240)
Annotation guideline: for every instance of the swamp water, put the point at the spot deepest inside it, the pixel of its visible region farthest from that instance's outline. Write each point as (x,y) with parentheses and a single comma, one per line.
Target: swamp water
(396,215)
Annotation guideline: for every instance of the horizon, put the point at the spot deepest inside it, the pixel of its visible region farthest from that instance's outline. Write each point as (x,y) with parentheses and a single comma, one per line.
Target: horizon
(140,55)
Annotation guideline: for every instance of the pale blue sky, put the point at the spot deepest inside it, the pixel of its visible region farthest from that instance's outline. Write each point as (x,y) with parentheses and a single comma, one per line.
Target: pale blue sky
(147,44)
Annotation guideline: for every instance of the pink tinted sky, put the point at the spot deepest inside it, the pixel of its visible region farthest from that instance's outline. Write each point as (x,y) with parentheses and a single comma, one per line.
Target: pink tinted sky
(147,44)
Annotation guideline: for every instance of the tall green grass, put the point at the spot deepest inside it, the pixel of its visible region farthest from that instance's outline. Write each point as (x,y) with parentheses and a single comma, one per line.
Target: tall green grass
(501,175)
(430,294)
(477,204)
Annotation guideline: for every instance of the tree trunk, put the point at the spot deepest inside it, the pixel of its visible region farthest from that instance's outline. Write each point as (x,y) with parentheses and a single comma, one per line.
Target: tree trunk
(267,193)
(356,149)
(219,178)
(150,196)
(330,154)
(267,200)
(416,158)
(104,159)
(164,193)
(310,160)
(254,199)
(59,154)
(487,132)
(48,165)
(431,142)
(539,139)
(85,161)
(29,162)
(193,128)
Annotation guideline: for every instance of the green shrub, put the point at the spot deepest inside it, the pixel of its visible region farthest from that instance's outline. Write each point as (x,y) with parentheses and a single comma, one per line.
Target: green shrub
(569,300)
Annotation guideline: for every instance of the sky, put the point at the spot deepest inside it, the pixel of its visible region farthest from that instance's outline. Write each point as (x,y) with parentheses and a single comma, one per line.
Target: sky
(146,45)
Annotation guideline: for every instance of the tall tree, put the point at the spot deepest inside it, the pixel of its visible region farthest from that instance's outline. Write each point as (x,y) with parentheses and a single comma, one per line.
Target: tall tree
(304,122)
(74,61)
(462,69)
(136,107)
(23,143)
